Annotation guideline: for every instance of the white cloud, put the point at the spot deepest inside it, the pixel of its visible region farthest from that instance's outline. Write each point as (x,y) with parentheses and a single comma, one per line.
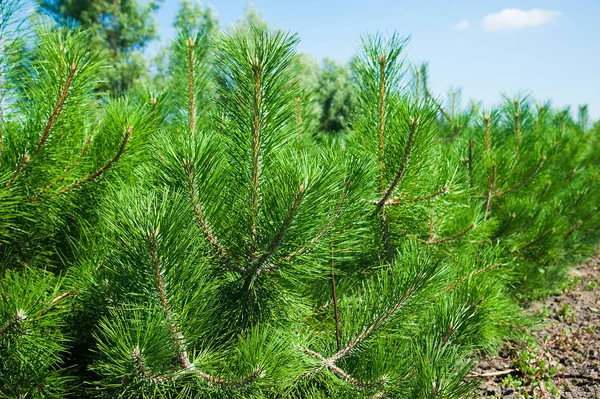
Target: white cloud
(514,18)
(462,25)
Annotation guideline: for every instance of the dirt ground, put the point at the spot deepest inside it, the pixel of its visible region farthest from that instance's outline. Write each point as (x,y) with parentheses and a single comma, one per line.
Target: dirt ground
(565,362)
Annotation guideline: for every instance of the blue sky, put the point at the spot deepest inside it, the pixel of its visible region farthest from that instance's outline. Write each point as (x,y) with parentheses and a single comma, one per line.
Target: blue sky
(552,52)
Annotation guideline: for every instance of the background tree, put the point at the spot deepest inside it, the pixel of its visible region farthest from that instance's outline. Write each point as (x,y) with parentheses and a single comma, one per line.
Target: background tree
(122,28)
(335,97)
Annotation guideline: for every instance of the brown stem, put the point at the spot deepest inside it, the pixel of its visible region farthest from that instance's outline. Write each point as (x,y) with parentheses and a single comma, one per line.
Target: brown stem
(517,124)
(379,321)
(256,151)
(19,317)
(176,335)
(55,113)
(143,371)
(104,168)
(283,228)
(66,170)
(330,364)
(191,99)
(531,175)
(488,145)
(492,182)
(402,168)
(206,230)
(57,108)
(320,234)
(454,237)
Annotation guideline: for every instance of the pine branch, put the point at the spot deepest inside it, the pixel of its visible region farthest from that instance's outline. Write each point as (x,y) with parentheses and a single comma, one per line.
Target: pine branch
(318,237)
(281,231)
(536,240)
(379,321)
(58,107)
(104,168)
(402,168)
(517,125)
(55,113)
(66,171)
(256,148)
(488,144)
(531,175)
(206,230)
(143,371)
(21,317)
(330,364)
(437,104)
(14,322)
(52,303)
(454,237)
(443,191)
(177,337)
(574,228)
(539,200)
(492,182)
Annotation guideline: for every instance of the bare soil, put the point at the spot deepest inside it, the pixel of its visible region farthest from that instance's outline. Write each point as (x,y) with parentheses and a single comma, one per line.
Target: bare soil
(565,362)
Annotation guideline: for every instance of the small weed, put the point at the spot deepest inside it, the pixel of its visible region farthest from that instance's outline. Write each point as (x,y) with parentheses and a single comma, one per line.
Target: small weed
(544,312)
(591,285)
(566,313)
(591,329)
(569,285)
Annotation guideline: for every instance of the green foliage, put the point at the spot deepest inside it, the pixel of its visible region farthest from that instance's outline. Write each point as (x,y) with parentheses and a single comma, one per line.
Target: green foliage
(31,337)
(57,142)
(201,242)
